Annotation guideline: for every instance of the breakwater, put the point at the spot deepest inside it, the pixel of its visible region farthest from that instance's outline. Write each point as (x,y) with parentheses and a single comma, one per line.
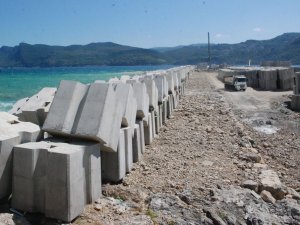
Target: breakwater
(61,143)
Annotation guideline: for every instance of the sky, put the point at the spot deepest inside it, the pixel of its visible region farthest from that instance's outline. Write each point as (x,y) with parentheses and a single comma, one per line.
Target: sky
(145,23)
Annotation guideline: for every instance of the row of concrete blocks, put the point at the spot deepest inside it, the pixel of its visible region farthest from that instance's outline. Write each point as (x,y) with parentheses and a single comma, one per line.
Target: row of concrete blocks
(36,174)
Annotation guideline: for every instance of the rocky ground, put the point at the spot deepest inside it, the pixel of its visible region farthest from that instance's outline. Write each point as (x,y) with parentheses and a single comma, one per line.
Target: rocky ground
(210,166)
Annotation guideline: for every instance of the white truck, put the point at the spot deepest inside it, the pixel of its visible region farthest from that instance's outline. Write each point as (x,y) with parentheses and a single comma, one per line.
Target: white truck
(236,82)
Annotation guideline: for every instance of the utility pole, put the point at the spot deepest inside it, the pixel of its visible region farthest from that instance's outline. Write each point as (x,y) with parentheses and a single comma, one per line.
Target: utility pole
(209,56)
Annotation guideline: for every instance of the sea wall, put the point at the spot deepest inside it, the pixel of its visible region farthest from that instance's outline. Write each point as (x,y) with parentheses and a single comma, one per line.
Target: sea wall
(92,132)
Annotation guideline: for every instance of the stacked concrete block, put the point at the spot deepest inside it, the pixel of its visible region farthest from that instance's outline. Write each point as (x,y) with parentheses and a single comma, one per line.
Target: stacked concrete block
(12,132)
(136,144)
(267,79)
(142,98)
(56,178)
(148,130)
(126,97)
(142,135)
(285,78)
(128,136)
(90,112)
(114,163)
(152,92)
(162,87)
(35,109)
(114,80)
(154,135)
(170,80)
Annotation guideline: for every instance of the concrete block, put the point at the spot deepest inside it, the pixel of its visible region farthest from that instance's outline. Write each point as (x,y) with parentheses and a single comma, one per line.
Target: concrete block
(160,115)
(36,108)
(142,135)
(297,83)
(142,98)
(170,80)
(148,132)
(267,79)
(12,133)
(128,135)
(157,123)
(152,92)
(90,112)
(136,144)
(56,178)
(164,111)
(126,97)
(162,87)
(64,108)
(295,104)
(114,163)
(154,135)
(114,80)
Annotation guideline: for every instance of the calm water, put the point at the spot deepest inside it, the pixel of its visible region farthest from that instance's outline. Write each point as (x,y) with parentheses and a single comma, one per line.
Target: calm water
(24,82)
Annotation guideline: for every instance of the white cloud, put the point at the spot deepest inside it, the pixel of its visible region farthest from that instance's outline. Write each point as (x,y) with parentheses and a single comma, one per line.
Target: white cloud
(257,29)
(219,35)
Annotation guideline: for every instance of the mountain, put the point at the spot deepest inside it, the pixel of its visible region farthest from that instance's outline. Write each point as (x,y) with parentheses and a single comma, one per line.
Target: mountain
(107,53)
(285,47)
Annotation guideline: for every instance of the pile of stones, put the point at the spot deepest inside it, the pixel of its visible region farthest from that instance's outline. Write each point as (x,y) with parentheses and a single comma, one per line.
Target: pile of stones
(60,144)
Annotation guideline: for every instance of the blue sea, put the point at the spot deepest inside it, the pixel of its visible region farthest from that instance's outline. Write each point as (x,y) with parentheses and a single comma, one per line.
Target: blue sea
(17,83)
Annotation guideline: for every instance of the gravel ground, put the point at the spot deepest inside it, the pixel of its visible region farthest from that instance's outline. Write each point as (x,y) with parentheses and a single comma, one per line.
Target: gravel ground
(195,171)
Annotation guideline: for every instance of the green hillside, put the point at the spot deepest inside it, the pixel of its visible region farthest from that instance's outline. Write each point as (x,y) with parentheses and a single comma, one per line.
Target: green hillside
(78,55)
(285,47)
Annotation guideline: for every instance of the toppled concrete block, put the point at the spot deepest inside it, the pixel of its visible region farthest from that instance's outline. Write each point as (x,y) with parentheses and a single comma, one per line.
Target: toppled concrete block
(56,178)
(64,108)
(12,133)
(36,108)
(126,97)
(113,163)
(136,144)
(90,112)
(142,98)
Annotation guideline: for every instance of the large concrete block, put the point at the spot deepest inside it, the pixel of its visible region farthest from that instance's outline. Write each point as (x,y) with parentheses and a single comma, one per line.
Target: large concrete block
(154,135)
(89,112)
(295,104)
(136,144)
(297,83)
(162,87)
(170,80)
(64,108)
(128,135)
(126,97)
(35,109)
(267,79)
(142,98)
(152,92)
(114,163)
(56,178)
(142,135)
(12,133)
(148,131)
